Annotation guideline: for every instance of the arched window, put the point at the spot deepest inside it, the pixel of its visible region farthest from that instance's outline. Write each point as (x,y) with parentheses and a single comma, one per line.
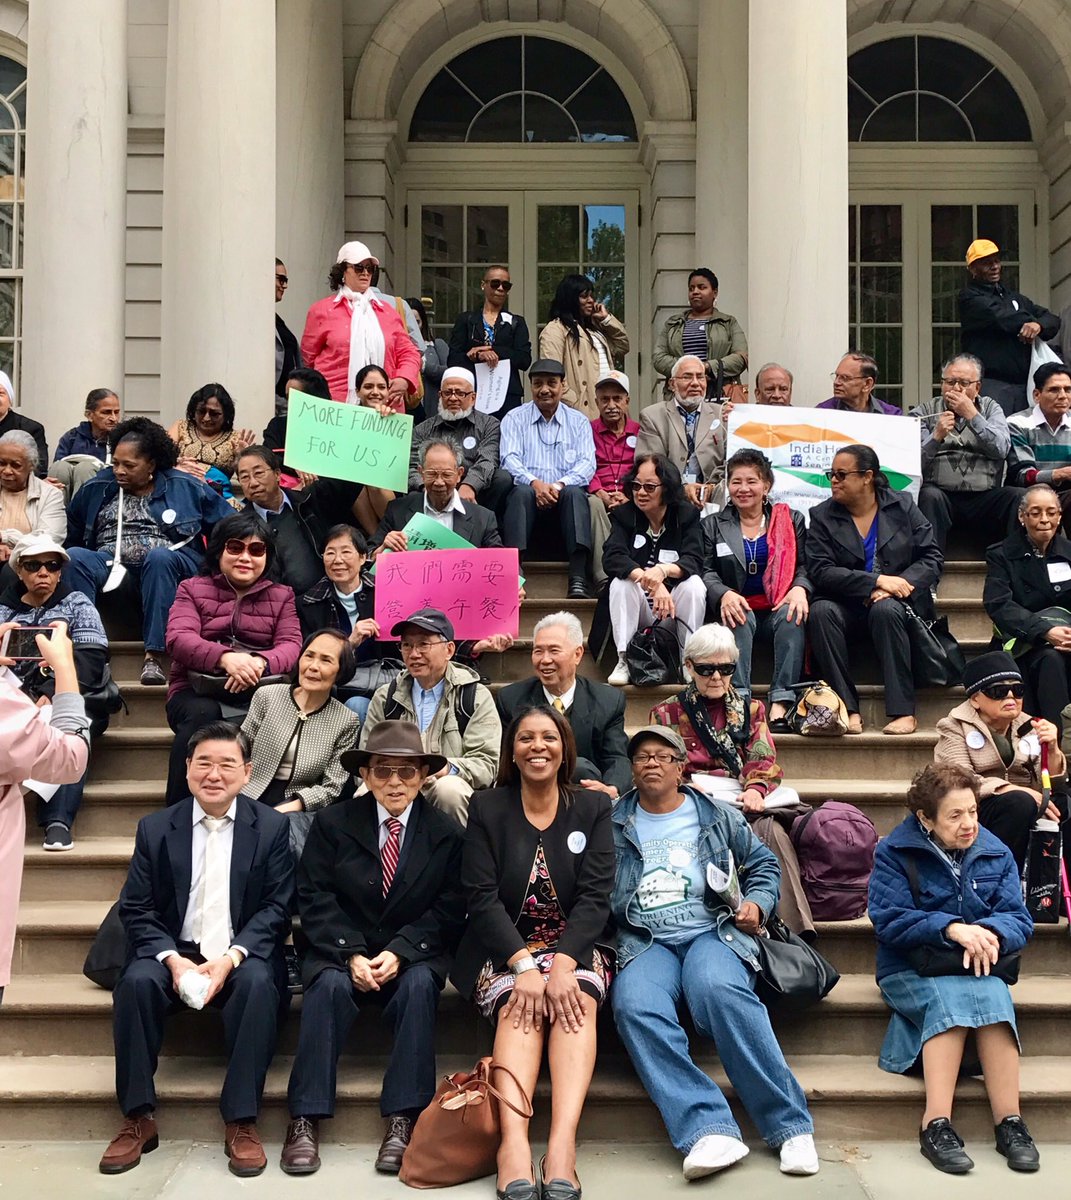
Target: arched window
(12,163)
(522,89)
(930,89)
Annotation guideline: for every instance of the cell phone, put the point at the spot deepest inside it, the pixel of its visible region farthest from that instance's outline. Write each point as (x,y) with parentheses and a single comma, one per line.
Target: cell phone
(20,643)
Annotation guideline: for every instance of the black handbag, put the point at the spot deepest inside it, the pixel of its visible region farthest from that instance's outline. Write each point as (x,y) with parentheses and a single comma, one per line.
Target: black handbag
(370,676)
(792,974)
(936,659)
(214,686)
(653,655)
(107,955)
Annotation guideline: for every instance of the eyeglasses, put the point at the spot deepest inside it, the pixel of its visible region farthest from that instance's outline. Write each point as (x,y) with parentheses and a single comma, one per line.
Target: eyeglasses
(365,268)
(706,669)
(844,378)
(455,395)
(646,488)
(841,476)
(409,647)
(33,565)
(499,285)
(999,691)
(283,279)
(662,756)
(405,774)
(253,549)
(433,476)
(960,383)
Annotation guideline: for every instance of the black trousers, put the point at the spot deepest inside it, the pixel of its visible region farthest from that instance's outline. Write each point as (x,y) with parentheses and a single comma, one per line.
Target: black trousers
(992,511)
(328,1010)
(186,713)
(834,625)
(1010,396)
(571,512)
(495,494)
(143,999)
(1010,816)
(1046,671)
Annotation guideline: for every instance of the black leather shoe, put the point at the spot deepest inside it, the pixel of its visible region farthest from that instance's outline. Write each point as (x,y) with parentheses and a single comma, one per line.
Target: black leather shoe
(578,589)
(301,1150)
(519,1189)
(780,725)
(943,1146)
(1016,1144)
(293,971)
(395,1140)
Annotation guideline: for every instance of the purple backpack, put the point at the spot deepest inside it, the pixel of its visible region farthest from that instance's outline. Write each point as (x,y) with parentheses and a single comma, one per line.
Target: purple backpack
(835,844)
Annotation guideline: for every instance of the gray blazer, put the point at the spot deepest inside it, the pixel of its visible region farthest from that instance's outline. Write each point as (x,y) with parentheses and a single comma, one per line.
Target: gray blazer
(662,432)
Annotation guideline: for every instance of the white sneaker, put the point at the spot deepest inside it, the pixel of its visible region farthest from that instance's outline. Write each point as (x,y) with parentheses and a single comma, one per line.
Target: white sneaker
(713,1153)
(619,675)
(798,1156)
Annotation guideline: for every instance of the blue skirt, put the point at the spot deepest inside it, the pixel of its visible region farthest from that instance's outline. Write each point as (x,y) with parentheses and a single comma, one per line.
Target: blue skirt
(924,1006)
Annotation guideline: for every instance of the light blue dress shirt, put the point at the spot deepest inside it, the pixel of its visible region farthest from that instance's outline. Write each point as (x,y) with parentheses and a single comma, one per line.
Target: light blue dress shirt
(561,450)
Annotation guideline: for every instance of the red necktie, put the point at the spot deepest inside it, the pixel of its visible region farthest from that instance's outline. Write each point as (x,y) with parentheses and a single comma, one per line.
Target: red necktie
(390,852)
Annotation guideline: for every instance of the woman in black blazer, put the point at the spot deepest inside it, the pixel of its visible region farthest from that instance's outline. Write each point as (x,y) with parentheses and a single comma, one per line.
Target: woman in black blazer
(491,333)
(537,870)
(653,558)
(870,554)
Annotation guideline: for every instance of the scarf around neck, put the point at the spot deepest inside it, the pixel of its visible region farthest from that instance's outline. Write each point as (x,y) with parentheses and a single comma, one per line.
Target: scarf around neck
(722,744)
(366,336)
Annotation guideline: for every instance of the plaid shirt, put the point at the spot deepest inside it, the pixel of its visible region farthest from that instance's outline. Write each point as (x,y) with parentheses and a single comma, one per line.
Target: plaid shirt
(1036,449)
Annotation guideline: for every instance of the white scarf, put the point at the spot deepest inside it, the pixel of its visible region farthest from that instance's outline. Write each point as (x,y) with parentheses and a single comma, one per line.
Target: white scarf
(366,336)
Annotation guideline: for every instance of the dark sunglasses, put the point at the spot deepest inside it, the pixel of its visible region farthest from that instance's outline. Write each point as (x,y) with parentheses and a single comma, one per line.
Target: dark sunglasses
(998,691)
(405,774)
(283,279)
(33,565)
(646,488)
(705,669)
(499,285)
(253,549)
(841,476)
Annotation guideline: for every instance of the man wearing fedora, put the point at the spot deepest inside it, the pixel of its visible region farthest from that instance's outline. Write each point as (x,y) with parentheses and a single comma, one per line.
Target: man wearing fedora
(381,905)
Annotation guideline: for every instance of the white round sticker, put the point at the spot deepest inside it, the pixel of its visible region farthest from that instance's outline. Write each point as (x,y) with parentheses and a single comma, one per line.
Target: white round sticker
(1030,745)
(630,440)
(975,739)
(638,541)
(679,857)
(469,443)
(168,516)
(576,841)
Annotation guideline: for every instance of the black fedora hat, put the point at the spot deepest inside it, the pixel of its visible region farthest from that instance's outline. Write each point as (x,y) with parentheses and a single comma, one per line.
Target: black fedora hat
(392,739)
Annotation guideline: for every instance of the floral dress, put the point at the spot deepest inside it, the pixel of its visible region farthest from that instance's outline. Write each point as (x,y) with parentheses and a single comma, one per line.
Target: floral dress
(541,923)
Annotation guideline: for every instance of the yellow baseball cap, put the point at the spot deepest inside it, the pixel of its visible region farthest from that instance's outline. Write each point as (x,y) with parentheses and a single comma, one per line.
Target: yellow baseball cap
(981,248)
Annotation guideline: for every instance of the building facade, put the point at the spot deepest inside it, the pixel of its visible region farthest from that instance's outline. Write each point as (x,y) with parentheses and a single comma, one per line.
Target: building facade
(829,159)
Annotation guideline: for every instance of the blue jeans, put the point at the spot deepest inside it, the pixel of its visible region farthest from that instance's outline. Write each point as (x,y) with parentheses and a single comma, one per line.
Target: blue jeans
(359,705)
(719,989)
(157,580)
(789,641)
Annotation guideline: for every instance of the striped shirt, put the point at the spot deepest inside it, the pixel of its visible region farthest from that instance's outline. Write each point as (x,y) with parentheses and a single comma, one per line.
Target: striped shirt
(1036,449)
(694,339)
(558,450)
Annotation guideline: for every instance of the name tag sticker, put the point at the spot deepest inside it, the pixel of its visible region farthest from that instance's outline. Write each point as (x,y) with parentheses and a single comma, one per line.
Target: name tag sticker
(168,516)
(469,443)
(576,841)
(690,477)
(1059,572)
(668,556)
(507,318)
(723,550)
(679,857)
(630,440)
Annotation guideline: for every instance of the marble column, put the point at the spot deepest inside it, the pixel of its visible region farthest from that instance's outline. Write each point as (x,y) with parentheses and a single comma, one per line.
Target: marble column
(218,298)
(309,190)
(798,190)
(74,247)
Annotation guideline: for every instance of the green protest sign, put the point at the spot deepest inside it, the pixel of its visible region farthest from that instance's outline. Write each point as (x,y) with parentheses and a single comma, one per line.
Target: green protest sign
(347,441)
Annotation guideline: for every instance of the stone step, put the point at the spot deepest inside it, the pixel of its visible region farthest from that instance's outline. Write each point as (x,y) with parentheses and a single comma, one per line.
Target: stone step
(53,936)
(59,1097)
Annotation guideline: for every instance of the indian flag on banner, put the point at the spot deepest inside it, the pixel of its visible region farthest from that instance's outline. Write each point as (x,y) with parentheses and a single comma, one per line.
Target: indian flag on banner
(801,444)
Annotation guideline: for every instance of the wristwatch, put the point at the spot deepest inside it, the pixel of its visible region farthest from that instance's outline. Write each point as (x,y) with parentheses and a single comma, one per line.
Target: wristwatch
(235,956)
(528,963)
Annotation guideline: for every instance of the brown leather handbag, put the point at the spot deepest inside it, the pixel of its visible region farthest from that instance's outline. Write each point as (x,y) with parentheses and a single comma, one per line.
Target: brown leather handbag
(456,1137)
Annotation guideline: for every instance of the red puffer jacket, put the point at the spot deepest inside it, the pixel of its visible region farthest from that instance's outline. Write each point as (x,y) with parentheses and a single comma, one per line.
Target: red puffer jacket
(209,618)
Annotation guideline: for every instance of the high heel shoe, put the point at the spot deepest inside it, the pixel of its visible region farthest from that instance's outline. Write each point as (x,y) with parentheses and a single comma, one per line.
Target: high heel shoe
(557,1189)
(519,1189)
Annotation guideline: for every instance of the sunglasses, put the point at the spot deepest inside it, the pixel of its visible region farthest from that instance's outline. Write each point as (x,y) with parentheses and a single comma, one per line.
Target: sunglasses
(841,476)
(365,268)
(998,691)
(405,774)
(283,279)
(646,488)
(499,285)
(707,669)
(253,549)
(33,565)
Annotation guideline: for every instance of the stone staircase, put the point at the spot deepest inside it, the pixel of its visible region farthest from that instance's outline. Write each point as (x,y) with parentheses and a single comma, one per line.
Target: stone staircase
(56,1071)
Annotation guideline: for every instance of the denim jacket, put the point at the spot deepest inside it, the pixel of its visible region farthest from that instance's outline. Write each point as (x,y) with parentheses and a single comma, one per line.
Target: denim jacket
(721,830)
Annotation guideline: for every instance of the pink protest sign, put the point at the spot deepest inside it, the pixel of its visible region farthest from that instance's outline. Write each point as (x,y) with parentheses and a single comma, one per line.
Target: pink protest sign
(477,589)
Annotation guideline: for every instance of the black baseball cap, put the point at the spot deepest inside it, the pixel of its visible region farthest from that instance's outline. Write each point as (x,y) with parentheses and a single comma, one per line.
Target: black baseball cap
(433,620)
(546,366)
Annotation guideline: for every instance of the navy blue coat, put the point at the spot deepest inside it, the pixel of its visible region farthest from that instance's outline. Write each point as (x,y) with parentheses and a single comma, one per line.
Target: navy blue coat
(988,892)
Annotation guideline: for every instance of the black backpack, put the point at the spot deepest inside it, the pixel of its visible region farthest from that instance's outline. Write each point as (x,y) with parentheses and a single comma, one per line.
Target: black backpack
(465,705)
(654,656)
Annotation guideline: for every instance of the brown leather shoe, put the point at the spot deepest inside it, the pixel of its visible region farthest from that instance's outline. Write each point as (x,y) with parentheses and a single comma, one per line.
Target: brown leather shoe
(242,1144)
(138,1136)
(300,1154)
(395,1140)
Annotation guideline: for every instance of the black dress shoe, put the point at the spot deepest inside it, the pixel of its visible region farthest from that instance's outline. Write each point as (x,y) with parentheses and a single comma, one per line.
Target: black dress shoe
(1016,1144)
(519,1189)
(301,1150)
(578,589)
(943,1146)
(556,1189)
(395,1140)
(293,971)
(780,725)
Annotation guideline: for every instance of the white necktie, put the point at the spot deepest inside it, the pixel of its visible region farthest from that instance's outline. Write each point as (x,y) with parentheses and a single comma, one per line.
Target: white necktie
(214,919)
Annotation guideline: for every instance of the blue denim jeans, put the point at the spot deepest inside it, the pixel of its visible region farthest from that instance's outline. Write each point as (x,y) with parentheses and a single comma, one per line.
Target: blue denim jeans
(360,706)
(789,642)
(719,990)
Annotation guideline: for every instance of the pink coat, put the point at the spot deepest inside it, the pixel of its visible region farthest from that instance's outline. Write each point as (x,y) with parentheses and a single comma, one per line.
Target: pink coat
(30,748)
(208,618)
(325,345)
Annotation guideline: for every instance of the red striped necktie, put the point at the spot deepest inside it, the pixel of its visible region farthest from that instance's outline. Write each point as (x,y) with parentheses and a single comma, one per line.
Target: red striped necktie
(390,852)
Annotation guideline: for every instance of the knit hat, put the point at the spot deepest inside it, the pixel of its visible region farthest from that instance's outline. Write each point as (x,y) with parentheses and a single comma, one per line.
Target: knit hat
(994,667)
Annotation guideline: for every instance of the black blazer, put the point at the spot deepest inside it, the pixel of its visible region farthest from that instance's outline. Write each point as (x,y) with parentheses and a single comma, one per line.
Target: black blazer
(476,524)
(500,846)
(152,904)
(682,534)
(1017,585)
(728,572)
(512,342)
(291,354)
(340,889)
(906,547)
(597,716)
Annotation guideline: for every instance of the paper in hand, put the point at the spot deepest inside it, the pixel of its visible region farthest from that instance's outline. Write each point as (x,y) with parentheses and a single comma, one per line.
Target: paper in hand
(725,884)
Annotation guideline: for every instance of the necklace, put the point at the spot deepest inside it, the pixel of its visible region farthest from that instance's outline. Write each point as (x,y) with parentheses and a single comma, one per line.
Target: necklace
(752,544)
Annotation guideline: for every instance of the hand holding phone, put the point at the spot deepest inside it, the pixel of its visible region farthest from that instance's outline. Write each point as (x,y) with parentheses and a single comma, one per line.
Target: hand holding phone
(18,643)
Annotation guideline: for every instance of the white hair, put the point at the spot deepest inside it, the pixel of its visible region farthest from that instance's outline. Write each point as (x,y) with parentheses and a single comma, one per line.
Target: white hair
(683,359)
(574,630)
(772,366)
(711,642)
(20,438)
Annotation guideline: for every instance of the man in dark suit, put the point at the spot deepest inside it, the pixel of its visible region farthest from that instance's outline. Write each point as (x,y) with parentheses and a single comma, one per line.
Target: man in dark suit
(596,711)
(442,467)
(206,907)
(381,905)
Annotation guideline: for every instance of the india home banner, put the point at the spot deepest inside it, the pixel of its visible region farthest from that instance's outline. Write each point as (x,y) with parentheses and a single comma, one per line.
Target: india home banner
(801,444)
